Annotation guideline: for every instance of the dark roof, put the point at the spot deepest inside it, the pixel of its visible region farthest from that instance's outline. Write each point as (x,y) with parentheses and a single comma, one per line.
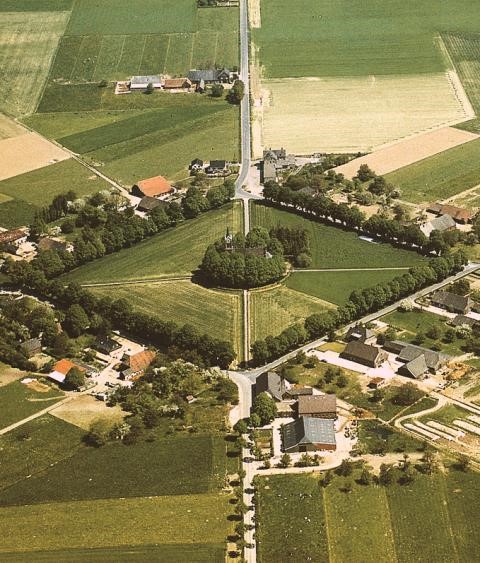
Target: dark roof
(297,390)
(208,75)
(442,223)
(148,203)
(461,320)
(361,351)
(316,404)
(47,243)
(458,213)
(410,352)
(359,332)
(452,300)
(32,344)
(11,236)
(218,164)
(417,367)
(271,383)
(196,162)
(107,345)
(307,430)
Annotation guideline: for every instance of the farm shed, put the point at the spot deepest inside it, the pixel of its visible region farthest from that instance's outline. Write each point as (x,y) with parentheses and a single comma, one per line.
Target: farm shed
(364,354)
(317,406)
(141,82)
(309,435)
(442,224)
(459,214)
(177,84)
(61,369)
(460,304)
(271,383)
(210,76)
(148,204)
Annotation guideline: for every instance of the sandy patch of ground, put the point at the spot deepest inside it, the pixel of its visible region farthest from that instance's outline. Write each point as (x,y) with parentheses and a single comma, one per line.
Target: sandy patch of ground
(308,115)
(83,410)
(27,152)
(254,16)
(38,387)
(9,374)
(8,128)
(403,153)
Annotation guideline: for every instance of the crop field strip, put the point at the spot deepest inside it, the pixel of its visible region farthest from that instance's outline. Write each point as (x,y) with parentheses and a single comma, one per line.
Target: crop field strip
(217,313)
(433,519)
(440,176)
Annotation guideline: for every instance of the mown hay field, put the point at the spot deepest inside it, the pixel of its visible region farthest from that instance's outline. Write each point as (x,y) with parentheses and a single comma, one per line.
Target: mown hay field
(433,519)
(27,45)
(275,309)
(441,176)
(332,247)
(336,287)
(178,251)
(350,114)
(345,38)
(35,5)
(30,191)
(217,313)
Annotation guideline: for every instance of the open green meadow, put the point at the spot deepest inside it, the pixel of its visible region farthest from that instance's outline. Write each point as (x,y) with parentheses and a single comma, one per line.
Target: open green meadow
(217,313)
(276,308)
(336,287)
(30,191)
(130,144)
(441,176)
(355,38)
(333,247)
(17,401)
(35,5)
(27,45)
(103,523)
(179,465)
(178,251)
(35,446)
(432,519)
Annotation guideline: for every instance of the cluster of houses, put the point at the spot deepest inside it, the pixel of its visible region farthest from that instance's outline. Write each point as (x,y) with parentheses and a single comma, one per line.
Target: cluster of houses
(313,427)
(195,81)
(213,168)
(447,218)
(15,242)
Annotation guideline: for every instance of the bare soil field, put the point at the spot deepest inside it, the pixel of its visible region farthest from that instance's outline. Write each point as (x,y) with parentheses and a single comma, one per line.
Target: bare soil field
(254,16)
(27,45)
(307,115)
(27,152)
(9,374)
(403,153)
(83,410)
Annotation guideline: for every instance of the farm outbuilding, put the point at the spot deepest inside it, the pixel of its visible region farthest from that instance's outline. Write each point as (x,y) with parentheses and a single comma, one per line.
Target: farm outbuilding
(141,82)
(152,187)
(309,435)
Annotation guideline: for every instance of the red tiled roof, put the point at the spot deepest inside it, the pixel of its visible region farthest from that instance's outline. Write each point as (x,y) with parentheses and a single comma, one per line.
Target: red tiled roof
(141,360)
(64,366)
(177,83)
(155,186)
(10,236)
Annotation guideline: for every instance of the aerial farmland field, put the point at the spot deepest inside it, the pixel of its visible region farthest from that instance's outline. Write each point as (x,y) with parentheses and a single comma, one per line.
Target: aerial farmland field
(365,55)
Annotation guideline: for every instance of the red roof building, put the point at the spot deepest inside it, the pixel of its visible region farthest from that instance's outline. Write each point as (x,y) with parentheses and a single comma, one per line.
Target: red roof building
(152,187)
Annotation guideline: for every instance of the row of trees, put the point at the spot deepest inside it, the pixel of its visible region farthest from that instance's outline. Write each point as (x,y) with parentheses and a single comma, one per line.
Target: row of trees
(83,311)
(325,209)
(360,303)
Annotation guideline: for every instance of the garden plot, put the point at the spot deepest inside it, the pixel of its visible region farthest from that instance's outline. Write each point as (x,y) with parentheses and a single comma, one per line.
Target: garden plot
(307,115)
(403,153)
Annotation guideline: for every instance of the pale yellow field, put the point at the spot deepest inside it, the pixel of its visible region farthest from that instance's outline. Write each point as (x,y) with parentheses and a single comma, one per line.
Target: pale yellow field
(8,128)
(27,152)
(85,409)
(407,152)
(28,41)
(309,115)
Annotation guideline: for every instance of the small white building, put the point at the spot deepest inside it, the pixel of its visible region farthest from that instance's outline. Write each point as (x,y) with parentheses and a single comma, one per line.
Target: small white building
(141,82)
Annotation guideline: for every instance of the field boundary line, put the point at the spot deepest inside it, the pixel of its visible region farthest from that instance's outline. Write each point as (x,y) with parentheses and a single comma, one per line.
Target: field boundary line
(137,282)
(121,53)
(387,504)
(167,52)
(294,271)
(52,61)
(448,519)
(192,48)
(143,53)
(327,526)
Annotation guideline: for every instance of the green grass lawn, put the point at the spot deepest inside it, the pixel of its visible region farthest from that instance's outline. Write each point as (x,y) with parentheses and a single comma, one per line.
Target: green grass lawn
(36,189)
(447,414)
(274,309)
(178,251)
(336,287)
(155,521)
(435,518)
(179,465)
(413,322)
(217,313)
(35,5)
(375,437)
(34,446)
(333,247)
(440,176)
(17,401)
